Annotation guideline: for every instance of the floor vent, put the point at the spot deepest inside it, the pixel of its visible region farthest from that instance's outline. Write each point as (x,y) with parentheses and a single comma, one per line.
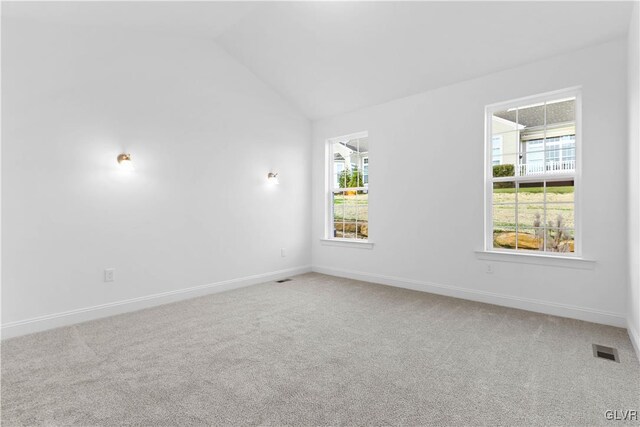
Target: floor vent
(283,280)
(603,352)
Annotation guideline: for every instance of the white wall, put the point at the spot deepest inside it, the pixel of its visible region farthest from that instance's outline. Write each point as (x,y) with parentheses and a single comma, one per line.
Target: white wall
(203,132)
(426,200)
(634,181)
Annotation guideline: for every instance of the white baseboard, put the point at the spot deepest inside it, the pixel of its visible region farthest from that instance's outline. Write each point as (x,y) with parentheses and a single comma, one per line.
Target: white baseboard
(634,336)
(556,309)
(55,320)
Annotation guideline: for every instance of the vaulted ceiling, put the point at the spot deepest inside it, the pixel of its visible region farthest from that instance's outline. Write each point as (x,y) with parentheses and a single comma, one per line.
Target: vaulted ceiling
(331,57)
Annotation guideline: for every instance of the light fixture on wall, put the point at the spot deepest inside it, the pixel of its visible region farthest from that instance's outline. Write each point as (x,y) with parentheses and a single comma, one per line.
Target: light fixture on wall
(124,160)
(272,178)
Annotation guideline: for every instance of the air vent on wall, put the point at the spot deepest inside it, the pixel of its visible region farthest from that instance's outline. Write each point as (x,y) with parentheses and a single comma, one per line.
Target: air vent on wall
(603,352)
(283,280)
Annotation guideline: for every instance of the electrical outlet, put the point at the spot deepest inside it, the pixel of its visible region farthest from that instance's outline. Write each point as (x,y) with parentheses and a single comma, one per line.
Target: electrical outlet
(109,274)
(489,269)
(283,252)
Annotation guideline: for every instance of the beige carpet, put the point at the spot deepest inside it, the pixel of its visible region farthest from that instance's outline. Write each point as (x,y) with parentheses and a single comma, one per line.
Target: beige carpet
(315,351)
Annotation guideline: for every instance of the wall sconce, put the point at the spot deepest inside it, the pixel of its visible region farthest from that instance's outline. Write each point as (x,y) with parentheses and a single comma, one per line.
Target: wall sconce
(124,160)
(272,178)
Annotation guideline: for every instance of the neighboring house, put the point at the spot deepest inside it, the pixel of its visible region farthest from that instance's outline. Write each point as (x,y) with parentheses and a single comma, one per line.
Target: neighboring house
(346,155)
(533,142)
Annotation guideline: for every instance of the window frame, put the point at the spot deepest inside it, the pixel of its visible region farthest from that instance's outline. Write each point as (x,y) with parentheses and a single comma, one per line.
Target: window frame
(365,172)
(545,177)
(329,189)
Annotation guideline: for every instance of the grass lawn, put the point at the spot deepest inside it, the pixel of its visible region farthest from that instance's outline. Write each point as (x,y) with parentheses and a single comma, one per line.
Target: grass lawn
(531,202)
(351,207)
(536,190)
(504,216)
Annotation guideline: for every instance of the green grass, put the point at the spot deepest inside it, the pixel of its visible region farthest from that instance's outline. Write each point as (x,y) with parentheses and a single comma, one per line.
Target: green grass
(360,199)
(350,202)
(351,207)
(536,190)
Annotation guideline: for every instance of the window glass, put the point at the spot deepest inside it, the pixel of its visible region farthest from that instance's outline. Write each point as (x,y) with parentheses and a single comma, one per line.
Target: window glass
(533,163)
(348,210)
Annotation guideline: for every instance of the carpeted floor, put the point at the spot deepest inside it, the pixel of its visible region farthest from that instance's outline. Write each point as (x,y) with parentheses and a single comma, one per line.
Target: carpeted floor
(315,351)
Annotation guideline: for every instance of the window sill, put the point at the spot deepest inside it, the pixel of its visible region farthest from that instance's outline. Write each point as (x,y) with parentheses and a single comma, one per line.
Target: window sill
(347,243)
(537,259)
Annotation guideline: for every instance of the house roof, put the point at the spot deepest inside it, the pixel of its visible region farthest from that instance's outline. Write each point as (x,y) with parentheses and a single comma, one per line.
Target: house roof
(534,116)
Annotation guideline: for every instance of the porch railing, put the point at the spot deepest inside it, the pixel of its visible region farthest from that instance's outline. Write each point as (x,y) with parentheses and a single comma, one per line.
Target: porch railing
(535,168)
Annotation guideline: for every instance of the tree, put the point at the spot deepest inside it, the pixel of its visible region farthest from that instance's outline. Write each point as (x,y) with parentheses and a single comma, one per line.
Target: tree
(503,170)
(349,178)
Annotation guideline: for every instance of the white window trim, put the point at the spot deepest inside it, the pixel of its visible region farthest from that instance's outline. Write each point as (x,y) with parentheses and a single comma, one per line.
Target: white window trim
(577,175)
(349,243)
(504,255)
(328,238)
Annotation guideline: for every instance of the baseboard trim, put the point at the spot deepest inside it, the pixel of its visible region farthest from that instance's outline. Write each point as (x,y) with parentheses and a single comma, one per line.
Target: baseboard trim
(538,306)
(634,336)
(55,320)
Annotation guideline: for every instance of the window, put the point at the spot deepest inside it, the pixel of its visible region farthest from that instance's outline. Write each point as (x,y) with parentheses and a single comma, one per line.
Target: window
(496,149)
(532,175)
(365,170)
(348,195)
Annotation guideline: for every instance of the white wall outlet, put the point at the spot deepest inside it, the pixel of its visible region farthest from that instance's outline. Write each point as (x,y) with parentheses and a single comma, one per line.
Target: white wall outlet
(489,269)
(283,252)
(109,274)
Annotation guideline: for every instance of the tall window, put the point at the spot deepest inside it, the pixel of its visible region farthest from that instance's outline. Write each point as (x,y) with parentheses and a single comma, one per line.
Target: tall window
(348,195)
(531,174)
